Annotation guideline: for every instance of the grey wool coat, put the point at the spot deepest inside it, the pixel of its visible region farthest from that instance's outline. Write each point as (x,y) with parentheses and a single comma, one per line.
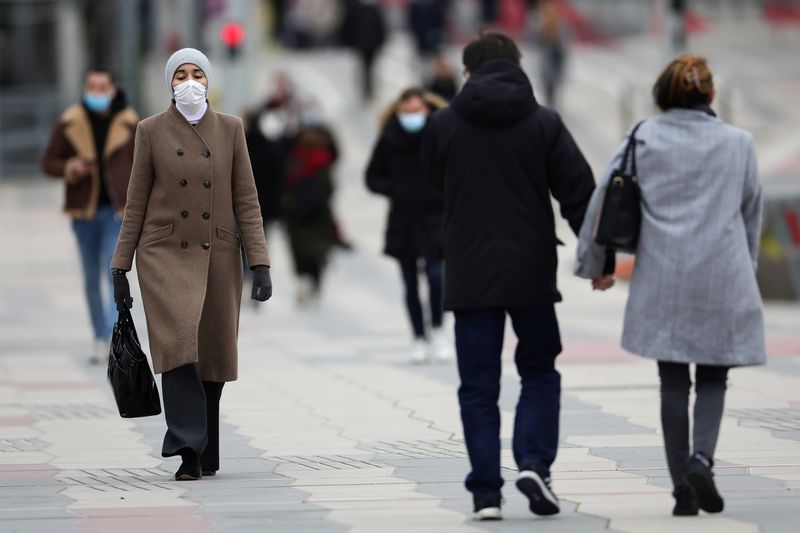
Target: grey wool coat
(192,202)
(693,296)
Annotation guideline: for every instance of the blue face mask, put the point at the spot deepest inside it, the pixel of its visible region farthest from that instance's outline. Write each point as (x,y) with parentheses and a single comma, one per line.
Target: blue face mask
(412,122)
(97,102)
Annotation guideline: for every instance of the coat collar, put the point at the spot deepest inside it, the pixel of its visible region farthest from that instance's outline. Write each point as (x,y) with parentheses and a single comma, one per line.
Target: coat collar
(204,129)
(78,131)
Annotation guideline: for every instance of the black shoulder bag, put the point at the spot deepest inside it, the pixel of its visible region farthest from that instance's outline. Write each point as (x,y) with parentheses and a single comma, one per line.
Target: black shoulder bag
(621,216)
(129,372)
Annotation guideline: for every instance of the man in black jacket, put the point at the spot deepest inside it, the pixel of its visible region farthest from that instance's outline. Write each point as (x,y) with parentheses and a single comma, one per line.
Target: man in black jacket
(498,155)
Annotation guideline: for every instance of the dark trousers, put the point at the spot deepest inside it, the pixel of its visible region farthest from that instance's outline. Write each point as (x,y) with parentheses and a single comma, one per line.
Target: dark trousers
(479,343)
(434,272)
(676,384)
(191,408)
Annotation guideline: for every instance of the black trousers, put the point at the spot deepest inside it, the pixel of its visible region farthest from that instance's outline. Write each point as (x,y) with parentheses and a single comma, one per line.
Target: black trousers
(676,384)
(434,271)
(191,408)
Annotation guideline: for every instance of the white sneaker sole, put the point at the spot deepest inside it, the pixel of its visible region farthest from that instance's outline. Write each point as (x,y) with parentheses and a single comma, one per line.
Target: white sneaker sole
(542,500)
(488,513)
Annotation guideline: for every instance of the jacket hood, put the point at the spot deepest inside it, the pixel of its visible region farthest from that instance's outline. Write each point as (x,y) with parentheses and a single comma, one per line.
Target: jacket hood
(497,94)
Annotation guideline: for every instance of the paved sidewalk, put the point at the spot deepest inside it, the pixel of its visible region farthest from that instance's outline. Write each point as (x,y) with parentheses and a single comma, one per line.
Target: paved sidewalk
(329,428)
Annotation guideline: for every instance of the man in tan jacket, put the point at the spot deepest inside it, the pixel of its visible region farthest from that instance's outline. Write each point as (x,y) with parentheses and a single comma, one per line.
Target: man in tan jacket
(91,149)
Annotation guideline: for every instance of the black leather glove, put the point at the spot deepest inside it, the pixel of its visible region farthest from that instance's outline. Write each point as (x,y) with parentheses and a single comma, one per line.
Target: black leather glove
(122,290)
(262,284)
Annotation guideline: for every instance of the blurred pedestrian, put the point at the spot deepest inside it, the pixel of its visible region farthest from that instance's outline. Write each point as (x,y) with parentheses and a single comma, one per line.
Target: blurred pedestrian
(693,296)
(552,37)
(91,148)
(414,228)
(307,207)
(192,204)
(426,21)
(443,82)
(498,156)
(270,133)
(364,30)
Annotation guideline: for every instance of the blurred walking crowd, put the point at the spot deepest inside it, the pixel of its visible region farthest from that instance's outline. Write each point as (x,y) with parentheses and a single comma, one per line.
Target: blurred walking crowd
(190,194)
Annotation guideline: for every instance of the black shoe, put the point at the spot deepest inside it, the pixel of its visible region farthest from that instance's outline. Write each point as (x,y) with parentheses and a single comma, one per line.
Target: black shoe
(190,469)
(685,502)
(209,473)
(700,477)
(537,489)
(487,509)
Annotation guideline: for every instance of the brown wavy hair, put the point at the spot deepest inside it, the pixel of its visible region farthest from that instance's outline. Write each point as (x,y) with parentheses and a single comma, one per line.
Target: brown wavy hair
(685,82)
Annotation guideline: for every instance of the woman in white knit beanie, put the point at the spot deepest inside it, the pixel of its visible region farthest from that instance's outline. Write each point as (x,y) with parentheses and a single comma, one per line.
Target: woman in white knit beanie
(192,205)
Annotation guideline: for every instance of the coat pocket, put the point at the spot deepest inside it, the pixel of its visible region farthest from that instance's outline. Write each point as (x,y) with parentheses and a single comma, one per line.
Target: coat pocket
(156,235)
(229,237)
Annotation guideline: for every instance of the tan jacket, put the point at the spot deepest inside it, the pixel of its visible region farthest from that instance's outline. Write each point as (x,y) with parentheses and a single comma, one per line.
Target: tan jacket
(192,202)
(72,136)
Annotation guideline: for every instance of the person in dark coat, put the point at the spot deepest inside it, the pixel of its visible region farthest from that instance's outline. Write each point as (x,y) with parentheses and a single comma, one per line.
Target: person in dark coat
(414,228)
(498,156)
(270,134)
(364,30)
(307,207)
(443,82)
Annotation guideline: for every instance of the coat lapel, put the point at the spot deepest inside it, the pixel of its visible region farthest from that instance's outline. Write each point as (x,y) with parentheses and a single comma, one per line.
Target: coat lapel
(78,132)
(119,131)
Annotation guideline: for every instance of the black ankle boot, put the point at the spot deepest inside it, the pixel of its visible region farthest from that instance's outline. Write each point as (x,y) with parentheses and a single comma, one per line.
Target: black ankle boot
(685,501)
(700,477)
(190,468)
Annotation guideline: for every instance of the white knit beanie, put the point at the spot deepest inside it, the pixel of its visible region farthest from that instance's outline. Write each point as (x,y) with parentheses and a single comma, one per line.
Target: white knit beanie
(183,56)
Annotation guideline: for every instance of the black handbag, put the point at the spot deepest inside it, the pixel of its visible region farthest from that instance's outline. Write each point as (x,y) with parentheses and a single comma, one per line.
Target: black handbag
(620,218)
(129,372)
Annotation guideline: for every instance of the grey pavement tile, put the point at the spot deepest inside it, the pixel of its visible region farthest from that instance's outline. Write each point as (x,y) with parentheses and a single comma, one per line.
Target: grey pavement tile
(38,524)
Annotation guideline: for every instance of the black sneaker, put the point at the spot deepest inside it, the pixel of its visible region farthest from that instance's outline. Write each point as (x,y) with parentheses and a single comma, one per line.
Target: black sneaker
(537,489)
(700,477)
(487,509)
(685,502)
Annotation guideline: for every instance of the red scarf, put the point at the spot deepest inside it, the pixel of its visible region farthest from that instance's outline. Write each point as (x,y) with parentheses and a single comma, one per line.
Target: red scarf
(306,161)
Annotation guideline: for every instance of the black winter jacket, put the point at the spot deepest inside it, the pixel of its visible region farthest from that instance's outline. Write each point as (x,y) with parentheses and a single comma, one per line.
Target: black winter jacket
(414,228)
(498,155)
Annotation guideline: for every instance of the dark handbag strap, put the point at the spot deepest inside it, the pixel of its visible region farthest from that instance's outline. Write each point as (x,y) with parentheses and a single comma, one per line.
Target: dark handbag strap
(630,151)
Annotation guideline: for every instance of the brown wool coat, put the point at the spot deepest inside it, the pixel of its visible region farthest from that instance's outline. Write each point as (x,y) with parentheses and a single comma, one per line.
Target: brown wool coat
(72,136)
(191,188)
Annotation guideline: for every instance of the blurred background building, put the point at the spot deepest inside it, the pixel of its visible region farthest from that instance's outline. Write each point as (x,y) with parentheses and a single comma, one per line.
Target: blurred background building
(616,49)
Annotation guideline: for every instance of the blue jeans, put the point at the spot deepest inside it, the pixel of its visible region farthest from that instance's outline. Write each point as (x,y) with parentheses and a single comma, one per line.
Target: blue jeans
(479,343)
(97,239)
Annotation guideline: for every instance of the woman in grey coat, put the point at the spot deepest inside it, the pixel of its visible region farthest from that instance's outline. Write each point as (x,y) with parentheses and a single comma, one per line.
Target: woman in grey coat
(693,296)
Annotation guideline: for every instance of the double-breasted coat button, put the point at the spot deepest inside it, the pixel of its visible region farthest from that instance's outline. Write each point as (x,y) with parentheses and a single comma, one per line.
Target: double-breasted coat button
(184,182)
(207,184)
(206,216)
(184,245)
(184,213)
(205,246)
(206,153)
(179,151)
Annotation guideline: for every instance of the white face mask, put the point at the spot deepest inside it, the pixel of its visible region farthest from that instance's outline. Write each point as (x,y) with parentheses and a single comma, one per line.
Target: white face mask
(190,95)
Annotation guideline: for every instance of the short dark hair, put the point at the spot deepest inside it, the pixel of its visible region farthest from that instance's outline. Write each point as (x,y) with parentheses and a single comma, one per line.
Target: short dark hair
(101,70)
(686,82)
(490,46)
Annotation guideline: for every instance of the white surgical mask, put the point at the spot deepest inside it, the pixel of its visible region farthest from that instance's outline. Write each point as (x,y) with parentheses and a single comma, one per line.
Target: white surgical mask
(190,95)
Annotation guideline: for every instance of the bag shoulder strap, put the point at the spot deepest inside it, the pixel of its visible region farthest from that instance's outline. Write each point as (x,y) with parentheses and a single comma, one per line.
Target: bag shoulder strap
(630,150)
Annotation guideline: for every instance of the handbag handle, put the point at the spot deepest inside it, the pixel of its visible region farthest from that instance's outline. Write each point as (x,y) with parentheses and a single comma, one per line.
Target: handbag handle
(630,151)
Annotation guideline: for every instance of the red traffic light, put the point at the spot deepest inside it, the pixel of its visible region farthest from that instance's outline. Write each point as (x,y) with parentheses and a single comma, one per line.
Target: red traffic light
(232,34)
